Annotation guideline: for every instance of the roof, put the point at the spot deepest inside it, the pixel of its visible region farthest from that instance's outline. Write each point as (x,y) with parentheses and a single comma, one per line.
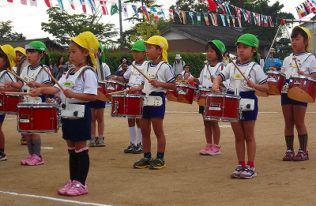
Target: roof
(51,45)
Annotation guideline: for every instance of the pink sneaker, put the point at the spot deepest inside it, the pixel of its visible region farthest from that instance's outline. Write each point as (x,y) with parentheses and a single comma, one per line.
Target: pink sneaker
(35,160)
(215,150)
(65,188)
(24,161)
(77,189)
(205,150)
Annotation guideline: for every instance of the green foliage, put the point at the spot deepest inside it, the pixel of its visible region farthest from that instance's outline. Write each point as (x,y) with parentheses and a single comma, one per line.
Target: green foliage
(6,33)
(63,25)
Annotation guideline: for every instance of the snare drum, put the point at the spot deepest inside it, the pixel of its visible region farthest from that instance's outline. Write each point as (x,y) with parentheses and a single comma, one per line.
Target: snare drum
(38,118)
(201,95)
(8,103)
(127,105)
(302,88)
(114,86)
(172,95)
(275,81)
(222,107)
(185,93)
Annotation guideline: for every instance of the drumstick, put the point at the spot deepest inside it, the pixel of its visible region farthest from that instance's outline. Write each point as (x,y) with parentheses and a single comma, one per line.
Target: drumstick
(17,77)
(18,93)
(117,92)
(242,74)
(54,80)
(141,72)
(298,68)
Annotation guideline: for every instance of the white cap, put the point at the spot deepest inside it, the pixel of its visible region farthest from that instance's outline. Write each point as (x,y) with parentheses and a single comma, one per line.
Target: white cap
(178,56)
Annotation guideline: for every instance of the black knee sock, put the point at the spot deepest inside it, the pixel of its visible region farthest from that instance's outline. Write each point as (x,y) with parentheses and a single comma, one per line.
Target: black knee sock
(73,166)
(303,141)
(83,163)
(289,142)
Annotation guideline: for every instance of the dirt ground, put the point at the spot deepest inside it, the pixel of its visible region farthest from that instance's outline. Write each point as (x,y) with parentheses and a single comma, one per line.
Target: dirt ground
(189,179)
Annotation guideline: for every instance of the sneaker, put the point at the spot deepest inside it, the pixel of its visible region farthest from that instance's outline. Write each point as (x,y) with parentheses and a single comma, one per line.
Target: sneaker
(92,142)
(157,164)
(289,155)
(99,142)
(35,160)
(23,162)
(215,150)
(65,188)
(3,156)
(248,173)
(238,170)
(137,149)
(129,149)
(142,163)
(77,189)
(301,156)
(206,150)
(23,141)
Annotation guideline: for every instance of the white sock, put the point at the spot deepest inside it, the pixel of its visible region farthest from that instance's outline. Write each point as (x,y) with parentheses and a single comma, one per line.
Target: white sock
(139,136)
(132,135)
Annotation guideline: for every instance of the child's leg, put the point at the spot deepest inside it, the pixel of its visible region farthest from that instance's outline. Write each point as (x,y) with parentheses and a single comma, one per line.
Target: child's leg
(208,132)
(216,132)
(93,122)
(249,134)
(299,120)
(132,131)
(83,162)
(161,138)
(73,166)
(2,140)
(146,129)
(100,121)
(288,125)
(138,132)
(239,142)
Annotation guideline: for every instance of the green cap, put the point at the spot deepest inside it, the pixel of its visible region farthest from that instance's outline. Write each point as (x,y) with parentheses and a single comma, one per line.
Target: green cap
(249,40)
(37,45)
(139,46)
(219,45)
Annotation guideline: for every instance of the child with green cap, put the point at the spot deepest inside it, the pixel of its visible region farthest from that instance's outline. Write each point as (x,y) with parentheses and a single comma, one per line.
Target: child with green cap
(36,75)
(214,54)
(248,63)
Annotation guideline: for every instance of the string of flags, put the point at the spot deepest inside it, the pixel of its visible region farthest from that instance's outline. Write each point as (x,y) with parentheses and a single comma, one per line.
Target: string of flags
(306,8)
(221,13)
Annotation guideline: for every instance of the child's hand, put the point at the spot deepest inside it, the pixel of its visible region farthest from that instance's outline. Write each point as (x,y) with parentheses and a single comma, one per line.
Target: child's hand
(35,92)
(251,84)
(135,89)
(215,88)
(301,73)
(68,93)
(32,84)
(154,82)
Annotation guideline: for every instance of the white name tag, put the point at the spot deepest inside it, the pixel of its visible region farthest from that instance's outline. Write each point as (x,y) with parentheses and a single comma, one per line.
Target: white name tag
(154,101)
(72,111)
(247,104)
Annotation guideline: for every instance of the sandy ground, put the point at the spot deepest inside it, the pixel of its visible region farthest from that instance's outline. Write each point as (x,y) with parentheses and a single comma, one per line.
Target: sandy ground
(189,179)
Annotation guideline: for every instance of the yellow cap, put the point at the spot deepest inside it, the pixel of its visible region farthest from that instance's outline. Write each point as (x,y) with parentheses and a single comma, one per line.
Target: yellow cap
(309,36)
(88,41)
(21,50)
(162,43)
(8,50)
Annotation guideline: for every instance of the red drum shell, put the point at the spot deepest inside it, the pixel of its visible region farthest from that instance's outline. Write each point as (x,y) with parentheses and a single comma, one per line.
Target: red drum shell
(275,81)
(9,102)
(302,88)
(127,105)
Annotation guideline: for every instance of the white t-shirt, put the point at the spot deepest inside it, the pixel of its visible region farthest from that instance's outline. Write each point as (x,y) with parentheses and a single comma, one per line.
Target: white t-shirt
(6,77)
(106,70)
(254,70)
(306,63)
(183,73)
(82,81)
(38,74)
(161,72)
(178,66)
(133,76)
(207,72)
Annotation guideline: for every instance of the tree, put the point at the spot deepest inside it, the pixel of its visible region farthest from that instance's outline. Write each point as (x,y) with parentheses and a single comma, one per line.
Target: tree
(6,33)
(63,25)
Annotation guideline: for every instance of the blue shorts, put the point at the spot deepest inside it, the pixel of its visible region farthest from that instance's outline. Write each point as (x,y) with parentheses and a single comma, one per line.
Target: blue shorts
(285,100)
(2,116)
(97,104)
(77,129)
(248,115)
(155,112)
(201,109)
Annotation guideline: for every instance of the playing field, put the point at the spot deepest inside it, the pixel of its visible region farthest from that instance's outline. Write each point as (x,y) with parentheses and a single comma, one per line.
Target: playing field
(189,179)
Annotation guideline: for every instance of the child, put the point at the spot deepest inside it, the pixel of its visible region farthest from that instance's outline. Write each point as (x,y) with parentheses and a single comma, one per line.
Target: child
(214,53)
(7,58)
(80,86)
(36,76)
(161,79)
(185,75)
(294,111)
(247,50)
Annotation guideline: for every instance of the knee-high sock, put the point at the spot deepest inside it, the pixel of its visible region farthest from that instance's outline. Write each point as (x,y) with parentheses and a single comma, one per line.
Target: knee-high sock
(303,141)
(83,163)
(289,142)
(73,166)
(37,146)
(30,146)
(139,136)
(132,134)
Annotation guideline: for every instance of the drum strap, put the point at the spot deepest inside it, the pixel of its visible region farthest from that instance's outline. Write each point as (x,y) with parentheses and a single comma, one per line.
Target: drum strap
(151,74)
(4,72)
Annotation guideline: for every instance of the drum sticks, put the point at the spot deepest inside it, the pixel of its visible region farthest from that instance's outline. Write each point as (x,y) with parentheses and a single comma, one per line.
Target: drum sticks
(54,80)
(296,64)
(242,74)
(16,76)
(141,72)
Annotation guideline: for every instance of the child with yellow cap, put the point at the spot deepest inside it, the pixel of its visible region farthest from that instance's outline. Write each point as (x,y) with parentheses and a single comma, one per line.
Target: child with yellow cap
(79,87)
(161,78)
(7,58)
(248,63)
(294,111)
(36,75)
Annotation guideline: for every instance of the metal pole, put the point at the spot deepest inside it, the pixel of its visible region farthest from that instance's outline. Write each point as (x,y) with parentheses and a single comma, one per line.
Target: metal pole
(299,21)
(120,20)
(275,36)
(143,10)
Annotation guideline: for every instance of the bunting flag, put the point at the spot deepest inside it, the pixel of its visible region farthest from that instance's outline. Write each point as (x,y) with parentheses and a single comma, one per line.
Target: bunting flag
(162,13)
(207,22)
(171,15)
(178,14)
(134,7)
(223,19)
(124,6)
(71,2)
(214,19)
(228,20)
(212,6)
(61,5)
(312,5)
(10,1)
(234,21)
(114,9)
(48,3)
(301,11)
(199,18)
(103,7)
(33,2)
(24,2)
(83,5)
(184,17)
(270,21)
(92,6)
(145,12)
(191,15)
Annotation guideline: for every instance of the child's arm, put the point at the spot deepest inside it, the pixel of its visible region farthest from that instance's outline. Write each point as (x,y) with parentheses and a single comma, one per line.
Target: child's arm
(165,85)
(81,96)
(43,90)
(261,87)
(217,81)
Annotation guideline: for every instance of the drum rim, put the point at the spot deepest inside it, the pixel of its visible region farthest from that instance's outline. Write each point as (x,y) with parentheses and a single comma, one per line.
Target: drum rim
(37,105)
(223,95)
(114,81)
(276,72)
(303,77)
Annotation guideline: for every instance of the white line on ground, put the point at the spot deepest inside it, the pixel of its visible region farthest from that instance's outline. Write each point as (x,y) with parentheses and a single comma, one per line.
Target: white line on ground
(178,112)
(53,199)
